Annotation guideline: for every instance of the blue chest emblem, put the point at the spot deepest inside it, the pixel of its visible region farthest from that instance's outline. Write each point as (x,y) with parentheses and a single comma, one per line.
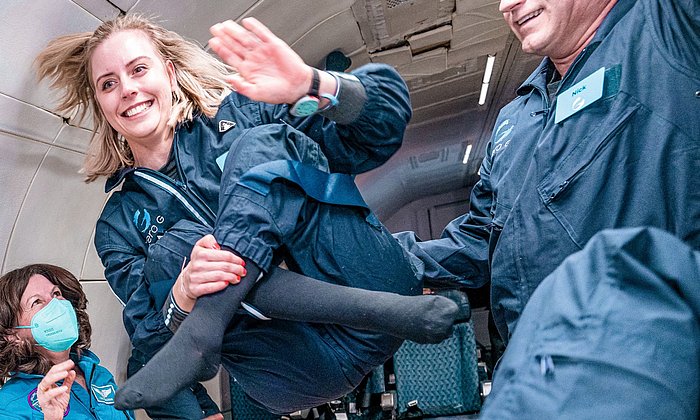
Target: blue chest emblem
(501,139)
(143,222)
(104,394)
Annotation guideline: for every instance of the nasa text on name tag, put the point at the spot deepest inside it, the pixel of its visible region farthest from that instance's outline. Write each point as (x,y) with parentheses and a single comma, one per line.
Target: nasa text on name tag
(579,95)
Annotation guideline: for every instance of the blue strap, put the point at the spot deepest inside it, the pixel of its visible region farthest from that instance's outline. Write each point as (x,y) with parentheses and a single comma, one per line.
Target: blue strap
(338,189)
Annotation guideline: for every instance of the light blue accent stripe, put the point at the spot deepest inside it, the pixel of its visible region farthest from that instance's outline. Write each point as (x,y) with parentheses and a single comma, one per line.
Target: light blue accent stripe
(221,160)
(253,311)
(174,192)
(330,188)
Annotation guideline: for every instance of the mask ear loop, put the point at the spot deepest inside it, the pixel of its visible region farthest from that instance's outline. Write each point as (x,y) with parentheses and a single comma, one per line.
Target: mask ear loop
(16,337)
(24,327)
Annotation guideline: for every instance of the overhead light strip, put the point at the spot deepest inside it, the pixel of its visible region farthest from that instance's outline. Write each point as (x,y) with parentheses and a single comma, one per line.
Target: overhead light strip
(466,154)
(487,78)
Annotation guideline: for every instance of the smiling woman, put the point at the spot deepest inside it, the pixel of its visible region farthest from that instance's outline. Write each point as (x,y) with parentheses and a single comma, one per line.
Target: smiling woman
(45,364)
(65,62)
(134,89)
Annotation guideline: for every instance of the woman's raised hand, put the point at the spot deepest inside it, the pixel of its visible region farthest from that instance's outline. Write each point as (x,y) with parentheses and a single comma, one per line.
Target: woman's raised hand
(268,69)
(53,399)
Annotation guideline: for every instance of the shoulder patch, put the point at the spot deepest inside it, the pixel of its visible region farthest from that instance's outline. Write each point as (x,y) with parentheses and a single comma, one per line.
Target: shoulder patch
(104,394)
(33,400)
(225,125)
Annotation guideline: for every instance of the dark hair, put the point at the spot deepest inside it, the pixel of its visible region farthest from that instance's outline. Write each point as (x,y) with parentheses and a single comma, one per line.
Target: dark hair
(17,355)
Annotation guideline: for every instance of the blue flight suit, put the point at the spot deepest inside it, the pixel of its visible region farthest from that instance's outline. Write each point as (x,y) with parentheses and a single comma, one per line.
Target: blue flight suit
(149,202)
(271,187)
(631,158)
(612,333)
(18,398)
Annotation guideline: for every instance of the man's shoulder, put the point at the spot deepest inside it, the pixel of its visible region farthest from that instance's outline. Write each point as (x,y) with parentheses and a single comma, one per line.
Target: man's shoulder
(510,112)
(671,25)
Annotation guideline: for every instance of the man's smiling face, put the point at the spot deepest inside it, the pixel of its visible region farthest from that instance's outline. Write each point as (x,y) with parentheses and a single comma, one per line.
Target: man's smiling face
(554,28)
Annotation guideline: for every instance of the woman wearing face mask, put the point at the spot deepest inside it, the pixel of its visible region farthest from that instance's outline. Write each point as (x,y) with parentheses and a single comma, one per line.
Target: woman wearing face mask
(45,364)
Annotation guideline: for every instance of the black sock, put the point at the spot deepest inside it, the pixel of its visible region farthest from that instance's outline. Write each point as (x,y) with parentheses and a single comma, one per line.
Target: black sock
(192,354)
(283,294)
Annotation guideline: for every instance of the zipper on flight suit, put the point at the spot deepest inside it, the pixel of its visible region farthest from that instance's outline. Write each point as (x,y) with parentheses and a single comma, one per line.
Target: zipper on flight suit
(183,185)
(180,192)
(621,124)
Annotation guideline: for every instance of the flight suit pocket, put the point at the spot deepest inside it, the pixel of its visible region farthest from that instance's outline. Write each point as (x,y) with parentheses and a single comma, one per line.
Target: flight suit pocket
(589,169)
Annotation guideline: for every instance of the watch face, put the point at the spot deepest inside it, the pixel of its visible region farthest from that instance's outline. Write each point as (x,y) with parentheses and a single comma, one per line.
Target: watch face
(304,106)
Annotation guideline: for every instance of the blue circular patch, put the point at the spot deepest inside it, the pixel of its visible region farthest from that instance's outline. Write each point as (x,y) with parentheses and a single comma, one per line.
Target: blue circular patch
(33,401)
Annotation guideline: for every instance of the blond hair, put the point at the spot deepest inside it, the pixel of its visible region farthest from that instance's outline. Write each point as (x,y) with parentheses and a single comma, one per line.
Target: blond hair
(65,61)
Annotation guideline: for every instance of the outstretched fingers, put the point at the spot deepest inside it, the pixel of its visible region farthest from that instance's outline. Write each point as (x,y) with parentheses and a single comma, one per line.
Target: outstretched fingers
(259,30)
(233,43)
(53,398)
(225,45)
(57,372)
(70,379)
(268,70)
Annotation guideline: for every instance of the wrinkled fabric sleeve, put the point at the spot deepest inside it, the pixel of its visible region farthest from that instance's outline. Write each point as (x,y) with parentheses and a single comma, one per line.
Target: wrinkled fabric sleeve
(460,257)
(676,24)
(124,270)
(676,28)
(371,138)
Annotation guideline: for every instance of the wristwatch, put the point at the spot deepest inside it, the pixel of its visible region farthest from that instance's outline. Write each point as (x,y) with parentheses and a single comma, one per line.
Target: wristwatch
(308,104)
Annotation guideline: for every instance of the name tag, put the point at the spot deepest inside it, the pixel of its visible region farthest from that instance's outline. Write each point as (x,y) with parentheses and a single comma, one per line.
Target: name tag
(579,96)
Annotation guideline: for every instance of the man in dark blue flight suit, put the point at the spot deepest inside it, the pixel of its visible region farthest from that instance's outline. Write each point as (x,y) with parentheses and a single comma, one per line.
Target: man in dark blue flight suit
(604,134)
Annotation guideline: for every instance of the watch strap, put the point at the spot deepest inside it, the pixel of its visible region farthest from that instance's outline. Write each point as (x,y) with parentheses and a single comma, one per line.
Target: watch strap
(309,103)
(315,83)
